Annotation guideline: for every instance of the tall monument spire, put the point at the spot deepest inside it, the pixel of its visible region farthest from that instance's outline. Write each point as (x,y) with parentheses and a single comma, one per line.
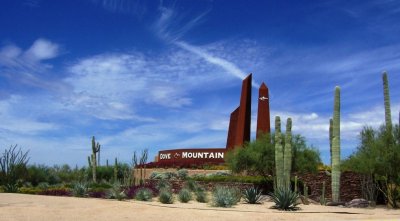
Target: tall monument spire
(239,124)
(263,117)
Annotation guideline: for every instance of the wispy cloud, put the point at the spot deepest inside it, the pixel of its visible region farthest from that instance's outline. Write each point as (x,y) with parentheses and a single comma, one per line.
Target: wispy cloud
(171,28)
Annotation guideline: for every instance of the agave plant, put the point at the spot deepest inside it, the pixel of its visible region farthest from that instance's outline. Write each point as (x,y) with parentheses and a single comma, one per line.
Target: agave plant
(79,189)
(225,197)
(285,199)
(144,194)
(252,195)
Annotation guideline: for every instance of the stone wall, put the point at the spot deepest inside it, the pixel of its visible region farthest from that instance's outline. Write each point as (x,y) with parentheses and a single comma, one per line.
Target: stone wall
(350,185)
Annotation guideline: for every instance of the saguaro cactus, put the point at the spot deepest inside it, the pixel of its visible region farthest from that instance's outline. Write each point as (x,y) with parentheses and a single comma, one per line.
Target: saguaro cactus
(278,153)
(287,165)
(388,115)
(93,159)
(335,156)
(330,137)
(283,155)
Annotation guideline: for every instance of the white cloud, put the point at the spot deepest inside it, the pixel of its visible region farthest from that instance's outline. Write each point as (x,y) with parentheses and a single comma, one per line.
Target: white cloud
(42,49)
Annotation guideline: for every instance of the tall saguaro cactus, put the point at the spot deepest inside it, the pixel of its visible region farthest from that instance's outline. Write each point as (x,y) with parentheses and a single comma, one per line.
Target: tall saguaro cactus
(287,165)
(278,152)
(388,115)
(283,155)
(93,159)
(335,156)
(330,137)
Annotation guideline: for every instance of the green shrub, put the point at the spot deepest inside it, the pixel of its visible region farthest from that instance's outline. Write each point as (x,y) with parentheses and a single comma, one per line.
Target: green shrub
(116,192)
(184,195)
(201,196)
(29,190)
(79,189)
(163,184)
(156,175)
(144,194)
(191,185)
(252,195)
(183,174)
(225,196)
(285,199)
(43,186)
(166,197)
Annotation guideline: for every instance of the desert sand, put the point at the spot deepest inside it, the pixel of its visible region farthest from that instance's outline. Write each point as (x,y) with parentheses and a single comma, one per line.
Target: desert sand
(38,208)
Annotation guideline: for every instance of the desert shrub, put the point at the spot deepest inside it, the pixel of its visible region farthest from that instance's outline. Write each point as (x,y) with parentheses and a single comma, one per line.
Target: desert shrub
(116,192)
(184,195)
(43,186)
(191,185)
(131,191)
(225,196)
(79,189)
(285,199)
(144,194)
(183,174)
(166,196)
(29,190)
(163,184)
(156,175)
(56,191)
(258,157)
(201,196)
(252,195)
(13,168)
(97,193)
(103,184)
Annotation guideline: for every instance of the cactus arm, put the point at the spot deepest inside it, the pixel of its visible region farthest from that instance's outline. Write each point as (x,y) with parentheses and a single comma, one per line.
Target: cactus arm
(288,153)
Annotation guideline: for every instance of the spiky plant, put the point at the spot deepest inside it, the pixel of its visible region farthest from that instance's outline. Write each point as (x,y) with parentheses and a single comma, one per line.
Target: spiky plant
(163,184)
(116,192)
(336,147)
(80,189)
(144,194)
(93,161)
(252,195)
(184,195)
(225,197)
(330,138)
(201,196)
(166,196)
(285,199)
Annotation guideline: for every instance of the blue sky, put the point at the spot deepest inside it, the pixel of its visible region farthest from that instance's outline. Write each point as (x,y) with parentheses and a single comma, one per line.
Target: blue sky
(166,74)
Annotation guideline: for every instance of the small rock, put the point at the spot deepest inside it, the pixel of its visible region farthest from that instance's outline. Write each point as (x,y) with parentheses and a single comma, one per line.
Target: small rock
(358,203)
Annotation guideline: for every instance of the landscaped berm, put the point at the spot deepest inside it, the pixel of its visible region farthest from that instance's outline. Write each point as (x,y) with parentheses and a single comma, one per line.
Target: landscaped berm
(38,208)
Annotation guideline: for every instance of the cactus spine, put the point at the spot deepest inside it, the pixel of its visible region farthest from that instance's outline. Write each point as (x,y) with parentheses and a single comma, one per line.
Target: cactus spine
(93,159)
(283,155)
(388,116)
(335,156)
(278,153)
(287,165)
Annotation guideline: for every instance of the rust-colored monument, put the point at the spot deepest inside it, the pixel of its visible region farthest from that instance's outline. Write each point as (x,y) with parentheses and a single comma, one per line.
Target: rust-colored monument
(263,116)
(239,124)
(238,133)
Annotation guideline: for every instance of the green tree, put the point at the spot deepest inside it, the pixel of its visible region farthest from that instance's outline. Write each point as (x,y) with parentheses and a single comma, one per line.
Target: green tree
(258,156)
(376,158)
